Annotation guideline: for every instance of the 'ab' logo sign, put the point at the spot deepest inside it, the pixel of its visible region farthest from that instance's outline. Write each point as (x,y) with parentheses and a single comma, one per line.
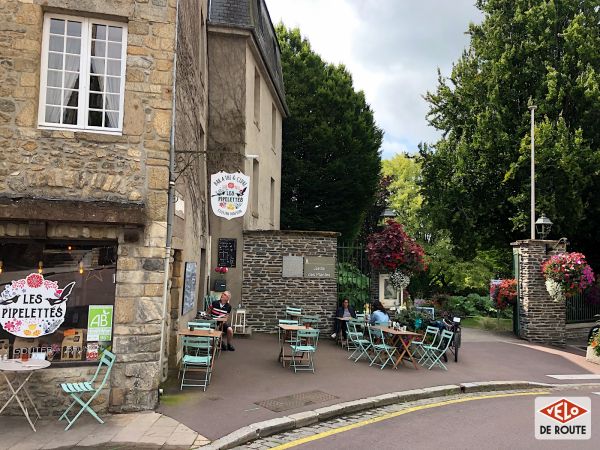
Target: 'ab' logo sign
(563,418)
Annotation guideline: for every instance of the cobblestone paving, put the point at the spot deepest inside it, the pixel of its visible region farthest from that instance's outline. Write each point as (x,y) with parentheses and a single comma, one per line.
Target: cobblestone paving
(289,436)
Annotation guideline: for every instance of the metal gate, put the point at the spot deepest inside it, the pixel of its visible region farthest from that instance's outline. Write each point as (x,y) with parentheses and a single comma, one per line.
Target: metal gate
(353,274)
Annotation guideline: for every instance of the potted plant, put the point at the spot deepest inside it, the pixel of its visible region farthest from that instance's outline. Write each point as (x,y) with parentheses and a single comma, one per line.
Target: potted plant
(567,274)
(503,293)
(593,349)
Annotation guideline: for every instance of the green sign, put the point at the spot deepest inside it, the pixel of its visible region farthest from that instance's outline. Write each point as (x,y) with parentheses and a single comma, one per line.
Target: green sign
(100,318)
(319,267)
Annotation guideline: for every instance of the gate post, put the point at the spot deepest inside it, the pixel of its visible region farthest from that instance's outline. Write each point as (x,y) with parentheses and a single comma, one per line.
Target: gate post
(541,319)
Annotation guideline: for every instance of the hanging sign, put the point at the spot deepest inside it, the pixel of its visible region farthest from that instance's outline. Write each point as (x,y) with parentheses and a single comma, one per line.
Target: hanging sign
(100,318)
(33,307)
(229,194)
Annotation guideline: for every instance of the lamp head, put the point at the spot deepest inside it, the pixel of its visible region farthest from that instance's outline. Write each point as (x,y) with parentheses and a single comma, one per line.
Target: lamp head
(543,226)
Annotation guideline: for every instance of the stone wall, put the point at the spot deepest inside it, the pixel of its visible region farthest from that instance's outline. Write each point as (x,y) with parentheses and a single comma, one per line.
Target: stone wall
(266,293)
(541,318)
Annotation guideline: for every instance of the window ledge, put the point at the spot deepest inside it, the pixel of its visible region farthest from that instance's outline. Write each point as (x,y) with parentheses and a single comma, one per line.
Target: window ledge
(80,130)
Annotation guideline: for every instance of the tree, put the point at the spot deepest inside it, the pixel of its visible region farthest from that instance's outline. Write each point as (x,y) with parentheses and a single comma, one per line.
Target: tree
(331,160)
(476,177)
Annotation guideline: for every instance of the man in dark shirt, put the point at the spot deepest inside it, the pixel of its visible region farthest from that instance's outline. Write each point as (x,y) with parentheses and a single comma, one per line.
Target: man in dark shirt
(220,308)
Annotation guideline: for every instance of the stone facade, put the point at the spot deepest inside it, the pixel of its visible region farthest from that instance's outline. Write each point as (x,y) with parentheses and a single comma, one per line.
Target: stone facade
(266,293)
(541,319)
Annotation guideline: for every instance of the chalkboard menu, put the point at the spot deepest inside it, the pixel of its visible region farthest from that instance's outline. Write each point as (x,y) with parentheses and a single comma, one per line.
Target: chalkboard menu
(226,252)
(189,287)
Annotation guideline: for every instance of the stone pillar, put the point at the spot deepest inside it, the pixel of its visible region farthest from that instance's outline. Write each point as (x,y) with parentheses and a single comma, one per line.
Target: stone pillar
(541,319)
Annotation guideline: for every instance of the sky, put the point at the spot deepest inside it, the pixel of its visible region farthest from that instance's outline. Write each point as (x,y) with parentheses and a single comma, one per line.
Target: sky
(392,48)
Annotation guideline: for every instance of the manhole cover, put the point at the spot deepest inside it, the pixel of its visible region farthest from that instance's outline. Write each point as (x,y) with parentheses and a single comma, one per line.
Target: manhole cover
(294,401)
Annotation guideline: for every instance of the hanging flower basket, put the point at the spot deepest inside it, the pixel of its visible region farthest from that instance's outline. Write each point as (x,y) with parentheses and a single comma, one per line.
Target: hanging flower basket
(567,274)
(399,280)
(503,293)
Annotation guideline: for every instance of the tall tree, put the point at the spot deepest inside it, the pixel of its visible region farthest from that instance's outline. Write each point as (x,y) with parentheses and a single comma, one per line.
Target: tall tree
(331,159)
(476,178)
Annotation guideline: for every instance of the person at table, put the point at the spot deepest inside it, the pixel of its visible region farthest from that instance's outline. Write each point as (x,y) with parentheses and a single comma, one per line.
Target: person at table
(344,310)
(220,308)
(379,314)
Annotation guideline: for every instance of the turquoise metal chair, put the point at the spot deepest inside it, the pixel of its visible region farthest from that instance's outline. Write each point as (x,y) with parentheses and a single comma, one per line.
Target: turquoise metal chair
(202,324)
(197,357)
(357,331)
(306,345)
(78,390)
(433,353)
(361,344)
(284,322)
(312,321)
(429,338)
(291,312)
(360,316)
(383,352)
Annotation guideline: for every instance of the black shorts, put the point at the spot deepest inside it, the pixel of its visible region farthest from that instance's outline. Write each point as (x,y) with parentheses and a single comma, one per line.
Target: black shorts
(226,326)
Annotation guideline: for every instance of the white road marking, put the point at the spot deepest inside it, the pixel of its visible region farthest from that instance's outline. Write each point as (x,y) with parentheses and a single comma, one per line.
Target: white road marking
(597,393)
(584,376)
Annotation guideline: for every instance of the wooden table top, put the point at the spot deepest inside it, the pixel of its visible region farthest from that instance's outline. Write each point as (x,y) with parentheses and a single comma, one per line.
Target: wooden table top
(287,327)
(344,318)
(398,332)
(202,332)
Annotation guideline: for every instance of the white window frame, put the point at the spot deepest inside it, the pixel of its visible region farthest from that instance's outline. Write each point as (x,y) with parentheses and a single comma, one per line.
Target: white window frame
(84,76)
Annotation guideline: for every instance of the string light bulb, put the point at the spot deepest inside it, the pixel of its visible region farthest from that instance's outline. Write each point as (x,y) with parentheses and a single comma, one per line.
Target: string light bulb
(1,267)
(69,248)
(81,267)
(40,267)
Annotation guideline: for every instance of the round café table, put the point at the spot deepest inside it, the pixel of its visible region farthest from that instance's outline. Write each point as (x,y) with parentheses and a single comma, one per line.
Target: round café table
(21,369)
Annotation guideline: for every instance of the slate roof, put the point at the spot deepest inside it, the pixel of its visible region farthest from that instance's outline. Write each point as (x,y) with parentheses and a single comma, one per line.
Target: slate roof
(253,15)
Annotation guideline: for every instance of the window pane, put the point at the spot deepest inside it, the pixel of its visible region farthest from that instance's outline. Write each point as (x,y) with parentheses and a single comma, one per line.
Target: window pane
(52,114)
(98,48)
(97,65)
(72,63)
(71,80)
(95,118)
(73,46)
(74,28)
(98,31)
(57,26)
(95,101)
(114,50)
(54,78)
(113,85)
(71,98)
(96,83)
(70,116)
(113,67)
(111,119)
(55,61)
(56,44)
(112,102)
(115,34)
(53,96)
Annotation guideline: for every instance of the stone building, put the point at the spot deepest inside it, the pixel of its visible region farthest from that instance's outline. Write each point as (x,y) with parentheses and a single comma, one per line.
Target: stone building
(246,108)
(91,153)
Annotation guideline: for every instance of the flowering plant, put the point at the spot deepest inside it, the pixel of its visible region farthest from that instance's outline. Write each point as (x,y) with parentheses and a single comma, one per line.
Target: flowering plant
(595,343)
(221,269)
(503,292)
(569,271)
(394,250)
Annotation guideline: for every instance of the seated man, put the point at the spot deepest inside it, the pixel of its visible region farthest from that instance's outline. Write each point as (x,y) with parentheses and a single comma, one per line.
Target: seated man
(220,308)
(345,310)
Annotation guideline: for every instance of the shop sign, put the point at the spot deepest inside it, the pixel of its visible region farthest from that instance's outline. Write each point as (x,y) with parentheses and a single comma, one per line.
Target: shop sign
(229,193)
(319,267)
(33,307)
(100,318)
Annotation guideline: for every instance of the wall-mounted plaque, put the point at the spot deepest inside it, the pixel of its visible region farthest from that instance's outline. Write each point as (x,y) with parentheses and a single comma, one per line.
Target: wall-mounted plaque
(226,252)
(189,288)
(293,267)
(319,267)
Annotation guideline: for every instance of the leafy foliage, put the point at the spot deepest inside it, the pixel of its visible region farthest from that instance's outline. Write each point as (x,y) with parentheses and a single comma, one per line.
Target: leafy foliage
(392,249)
(331,160)
(353,285)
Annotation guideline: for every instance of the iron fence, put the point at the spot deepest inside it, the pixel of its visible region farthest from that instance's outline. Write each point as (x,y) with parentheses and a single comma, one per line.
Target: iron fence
(579,309)
(353,274)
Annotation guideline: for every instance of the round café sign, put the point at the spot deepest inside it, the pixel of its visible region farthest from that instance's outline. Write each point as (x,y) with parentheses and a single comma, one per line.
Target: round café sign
(229,194)
(33,307)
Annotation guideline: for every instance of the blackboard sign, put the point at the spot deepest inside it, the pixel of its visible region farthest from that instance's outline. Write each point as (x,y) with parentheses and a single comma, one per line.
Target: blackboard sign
(226,252)
(189,288)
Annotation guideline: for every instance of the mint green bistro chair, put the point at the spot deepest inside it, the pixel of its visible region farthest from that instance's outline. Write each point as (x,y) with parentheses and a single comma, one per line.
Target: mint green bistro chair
(284,322)
(196,358)
(291,312)
(313,321)
(434,353)
(428,338)
(78,390)
(361,344)
(356,330)
(382,352)
(202,324)
(306,345)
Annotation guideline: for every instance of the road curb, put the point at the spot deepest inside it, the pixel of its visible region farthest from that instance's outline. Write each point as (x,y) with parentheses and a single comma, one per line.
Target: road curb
(265,428)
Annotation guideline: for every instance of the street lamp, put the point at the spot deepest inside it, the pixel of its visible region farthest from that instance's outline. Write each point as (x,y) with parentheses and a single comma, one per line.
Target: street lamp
(543,226)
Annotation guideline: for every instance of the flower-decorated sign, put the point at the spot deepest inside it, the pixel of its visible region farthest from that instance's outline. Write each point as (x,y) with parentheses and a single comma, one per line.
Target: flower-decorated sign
(229,194)
(32,307)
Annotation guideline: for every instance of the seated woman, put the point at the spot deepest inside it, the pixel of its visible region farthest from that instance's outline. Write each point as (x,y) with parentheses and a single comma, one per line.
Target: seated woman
(345,310)
(379,314)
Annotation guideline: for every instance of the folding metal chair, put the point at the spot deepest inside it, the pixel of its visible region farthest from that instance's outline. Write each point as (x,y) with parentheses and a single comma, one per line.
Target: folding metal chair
(203,324)
(361,344)
(383,351)
(428,339)
(197,357)
(313,321)
(357,330)
(284,322)
(434,353)
(291,312)
(77,390)
(305,344)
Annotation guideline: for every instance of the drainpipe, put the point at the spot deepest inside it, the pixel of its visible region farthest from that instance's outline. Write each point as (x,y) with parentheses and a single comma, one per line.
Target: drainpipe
(170,205)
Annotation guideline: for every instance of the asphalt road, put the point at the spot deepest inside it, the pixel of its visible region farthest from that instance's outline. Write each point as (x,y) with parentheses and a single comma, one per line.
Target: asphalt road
(498,423)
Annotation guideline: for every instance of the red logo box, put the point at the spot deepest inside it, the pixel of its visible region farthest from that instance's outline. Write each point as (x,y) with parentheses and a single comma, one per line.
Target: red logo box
(563,411)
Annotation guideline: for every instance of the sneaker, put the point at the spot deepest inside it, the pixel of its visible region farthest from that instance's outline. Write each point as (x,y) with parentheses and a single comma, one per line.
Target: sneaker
(223,348)
(230,348)
(333,336)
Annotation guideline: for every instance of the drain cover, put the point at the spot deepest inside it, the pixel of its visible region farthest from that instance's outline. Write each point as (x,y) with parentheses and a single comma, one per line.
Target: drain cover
(294,401)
